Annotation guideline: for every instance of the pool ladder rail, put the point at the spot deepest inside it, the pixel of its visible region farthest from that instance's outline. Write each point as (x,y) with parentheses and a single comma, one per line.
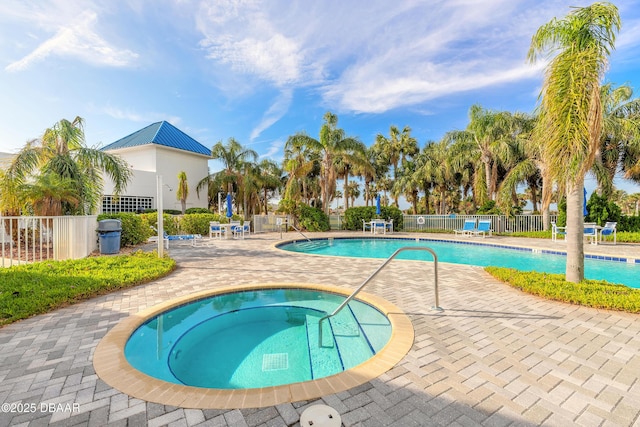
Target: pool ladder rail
(375,273)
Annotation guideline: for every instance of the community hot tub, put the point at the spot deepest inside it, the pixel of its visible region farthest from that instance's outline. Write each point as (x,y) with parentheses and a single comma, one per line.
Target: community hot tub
(253,346)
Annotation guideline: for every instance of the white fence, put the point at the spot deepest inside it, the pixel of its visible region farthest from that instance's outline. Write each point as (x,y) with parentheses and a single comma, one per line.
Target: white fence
(268,223)
(37,238)
(499,223)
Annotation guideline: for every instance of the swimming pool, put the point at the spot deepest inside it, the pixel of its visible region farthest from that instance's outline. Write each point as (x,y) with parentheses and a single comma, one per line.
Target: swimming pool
(257,338)
(615,270)
(194,351)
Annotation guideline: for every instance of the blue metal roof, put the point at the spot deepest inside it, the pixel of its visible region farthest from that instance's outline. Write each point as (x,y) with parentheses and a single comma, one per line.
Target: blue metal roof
(160,133)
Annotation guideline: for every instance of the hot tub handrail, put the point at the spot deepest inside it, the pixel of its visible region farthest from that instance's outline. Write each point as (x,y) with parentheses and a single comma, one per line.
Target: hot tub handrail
(375,273)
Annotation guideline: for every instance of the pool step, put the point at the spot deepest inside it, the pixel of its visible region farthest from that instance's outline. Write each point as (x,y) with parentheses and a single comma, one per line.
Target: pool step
(324,360)
(375,325)
(352,344)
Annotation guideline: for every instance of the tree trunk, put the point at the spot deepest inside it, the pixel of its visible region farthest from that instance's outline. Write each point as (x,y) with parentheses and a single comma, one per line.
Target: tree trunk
(346,189)
(547,194)
(575,232)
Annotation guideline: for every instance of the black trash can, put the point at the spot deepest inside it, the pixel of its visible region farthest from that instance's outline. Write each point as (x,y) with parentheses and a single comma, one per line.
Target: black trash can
(109,231)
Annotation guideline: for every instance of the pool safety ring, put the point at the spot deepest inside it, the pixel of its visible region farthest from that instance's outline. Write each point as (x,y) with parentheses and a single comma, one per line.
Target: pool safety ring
(420,220)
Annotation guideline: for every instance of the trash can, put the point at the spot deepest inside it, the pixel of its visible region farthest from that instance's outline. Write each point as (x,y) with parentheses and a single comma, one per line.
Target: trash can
(109,231)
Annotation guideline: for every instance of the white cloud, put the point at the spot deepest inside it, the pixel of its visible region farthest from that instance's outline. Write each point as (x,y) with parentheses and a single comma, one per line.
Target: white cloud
(277,110)
(78,40)
(148,117)
(374,58)
(275,151)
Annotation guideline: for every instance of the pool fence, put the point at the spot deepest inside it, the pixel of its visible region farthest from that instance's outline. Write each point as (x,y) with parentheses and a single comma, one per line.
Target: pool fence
(499,223)
(27,239)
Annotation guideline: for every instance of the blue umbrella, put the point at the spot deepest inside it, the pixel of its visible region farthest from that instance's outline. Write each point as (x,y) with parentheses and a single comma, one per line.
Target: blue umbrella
(229,208)
(378,205)
(585,212)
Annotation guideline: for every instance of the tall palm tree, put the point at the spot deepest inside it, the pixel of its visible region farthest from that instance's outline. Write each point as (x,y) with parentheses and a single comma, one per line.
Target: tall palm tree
(300,162)
(489,135)
(571,107)
(620,129)
(232,155)
(183,190)
(332,142)
(269,180)
(397,148)
(62,151)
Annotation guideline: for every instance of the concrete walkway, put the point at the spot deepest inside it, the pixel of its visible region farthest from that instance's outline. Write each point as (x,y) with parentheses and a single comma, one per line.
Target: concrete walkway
(494,357)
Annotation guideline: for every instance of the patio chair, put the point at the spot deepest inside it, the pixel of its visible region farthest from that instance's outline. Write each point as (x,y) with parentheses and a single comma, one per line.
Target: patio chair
(467,228)
(366,226)
(241,230)
(609,229)
(215,229)
(389,226)
(233,226)
(379,226)
(484,227)
(591,232)
(555,231)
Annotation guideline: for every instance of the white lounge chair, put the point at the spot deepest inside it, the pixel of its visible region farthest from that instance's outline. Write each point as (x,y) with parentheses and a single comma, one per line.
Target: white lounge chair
(467,228)
(484,227)
(241,230)
(609,229)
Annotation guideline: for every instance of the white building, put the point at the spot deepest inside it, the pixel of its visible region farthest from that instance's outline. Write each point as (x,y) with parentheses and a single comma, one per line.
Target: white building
(158,149)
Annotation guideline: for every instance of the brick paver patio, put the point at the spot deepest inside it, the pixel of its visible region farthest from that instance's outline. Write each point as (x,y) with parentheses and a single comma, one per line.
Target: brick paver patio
(494,357)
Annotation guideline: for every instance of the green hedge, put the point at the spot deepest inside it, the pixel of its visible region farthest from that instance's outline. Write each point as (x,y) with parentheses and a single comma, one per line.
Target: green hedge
(27,290)
(312,219)
(353,217)
(134,229)
(590,293)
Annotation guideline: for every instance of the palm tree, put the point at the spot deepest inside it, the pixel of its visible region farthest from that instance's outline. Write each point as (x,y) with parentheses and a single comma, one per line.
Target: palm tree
(489,135)
(397,149)
(232,155)
(570,122)
(183,190)
(47,194)
(300,163)
(62,151)
(269,180)
(439,168)
(332,142)
(620,129)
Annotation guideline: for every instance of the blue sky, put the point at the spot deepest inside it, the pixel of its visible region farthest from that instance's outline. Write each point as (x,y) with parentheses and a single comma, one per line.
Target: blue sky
(260,71)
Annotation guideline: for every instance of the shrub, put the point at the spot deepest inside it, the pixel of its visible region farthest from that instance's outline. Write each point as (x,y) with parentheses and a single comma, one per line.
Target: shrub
(590,293)
(312,219)
(36,288)
(134,230)
(198,223)
(629,223)
(353,217)
(169,222)
(197,210)
(602,210)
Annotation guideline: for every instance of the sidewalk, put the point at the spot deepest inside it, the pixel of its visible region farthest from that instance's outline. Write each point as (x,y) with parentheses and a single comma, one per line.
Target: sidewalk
(495,356)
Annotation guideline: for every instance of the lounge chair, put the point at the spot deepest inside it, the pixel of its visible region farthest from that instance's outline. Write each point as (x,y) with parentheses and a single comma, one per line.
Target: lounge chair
(167,237)
(215,229)
(591,232)
(484,227)
(609,229)
(467,228)
(555,231)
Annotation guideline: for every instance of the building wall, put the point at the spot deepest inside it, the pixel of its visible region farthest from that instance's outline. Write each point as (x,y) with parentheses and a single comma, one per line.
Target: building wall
(167,162)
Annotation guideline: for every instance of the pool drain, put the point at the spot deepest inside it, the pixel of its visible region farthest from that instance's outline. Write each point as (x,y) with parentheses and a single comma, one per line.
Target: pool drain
(320,416)
(275,362)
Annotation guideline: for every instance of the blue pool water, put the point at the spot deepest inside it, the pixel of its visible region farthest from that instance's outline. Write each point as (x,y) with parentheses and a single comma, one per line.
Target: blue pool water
(625,273)
(257,338)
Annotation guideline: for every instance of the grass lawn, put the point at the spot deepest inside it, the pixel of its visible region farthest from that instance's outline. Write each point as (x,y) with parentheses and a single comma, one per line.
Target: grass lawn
(37,288)
(590,293)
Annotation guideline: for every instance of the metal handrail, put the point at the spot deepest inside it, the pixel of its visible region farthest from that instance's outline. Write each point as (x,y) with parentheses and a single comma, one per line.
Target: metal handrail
(375,273)
(295,228)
